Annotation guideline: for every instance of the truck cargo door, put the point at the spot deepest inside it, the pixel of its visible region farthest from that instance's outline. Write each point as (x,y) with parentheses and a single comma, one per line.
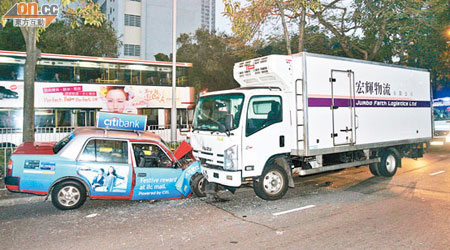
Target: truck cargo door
(342,107)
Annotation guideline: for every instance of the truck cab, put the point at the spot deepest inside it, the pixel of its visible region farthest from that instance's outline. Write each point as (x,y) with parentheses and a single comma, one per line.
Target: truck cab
(237,132)
(232,131)
(441,108)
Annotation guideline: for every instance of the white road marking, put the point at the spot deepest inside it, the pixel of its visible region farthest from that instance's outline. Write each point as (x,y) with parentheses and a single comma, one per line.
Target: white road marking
(439,172)
(293,210)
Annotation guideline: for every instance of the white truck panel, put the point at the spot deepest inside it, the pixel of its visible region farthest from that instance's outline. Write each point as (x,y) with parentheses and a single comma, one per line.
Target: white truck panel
(264,72)
(391,103)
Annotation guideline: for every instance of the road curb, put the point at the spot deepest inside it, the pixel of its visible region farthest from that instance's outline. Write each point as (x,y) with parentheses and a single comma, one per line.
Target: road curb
(5,194)
(21,200)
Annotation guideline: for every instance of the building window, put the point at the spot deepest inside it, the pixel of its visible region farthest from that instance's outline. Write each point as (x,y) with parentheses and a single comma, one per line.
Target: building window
(132,50)
(132,20)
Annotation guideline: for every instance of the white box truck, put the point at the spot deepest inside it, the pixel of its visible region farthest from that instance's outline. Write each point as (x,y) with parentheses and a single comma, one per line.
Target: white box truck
(307,113)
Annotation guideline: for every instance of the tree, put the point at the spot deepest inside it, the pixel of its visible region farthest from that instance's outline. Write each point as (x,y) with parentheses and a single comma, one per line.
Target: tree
(315,40)
(86,40)
(248,20)
(361,27)
(162,57)
(213,58)
(88,12)
(423,41)
(407,32)
(11,38)
(60,38)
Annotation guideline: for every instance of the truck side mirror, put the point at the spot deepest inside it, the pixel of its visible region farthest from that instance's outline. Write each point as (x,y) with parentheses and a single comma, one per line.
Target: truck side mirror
(229,122)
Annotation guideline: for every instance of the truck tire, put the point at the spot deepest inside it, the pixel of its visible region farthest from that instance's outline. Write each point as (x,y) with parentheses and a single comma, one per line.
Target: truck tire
(374,169)
(272,184)
(387,167)
(68,195)
(197,185)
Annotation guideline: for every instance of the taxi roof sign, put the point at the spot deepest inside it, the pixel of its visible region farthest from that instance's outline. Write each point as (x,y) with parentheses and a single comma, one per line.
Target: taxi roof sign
(121,121)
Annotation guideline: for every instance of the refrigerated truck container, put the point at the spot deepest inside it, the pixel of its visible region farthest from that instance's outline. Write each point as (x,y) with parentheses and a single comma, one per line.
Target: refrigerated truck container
(307,113)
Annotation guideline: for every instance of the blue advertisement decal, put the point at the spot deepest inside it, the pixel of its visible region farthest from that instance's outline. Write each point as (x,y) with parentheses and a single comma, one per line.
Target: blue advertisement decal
(31,164)
(182,184)
(164,183)
(48,166)
(108,180)
(121,121)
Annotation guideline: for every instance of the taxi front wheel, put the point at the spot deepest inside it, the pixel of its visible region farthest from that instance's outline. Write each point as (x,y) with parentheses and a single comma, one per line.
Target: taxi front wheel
(68,195)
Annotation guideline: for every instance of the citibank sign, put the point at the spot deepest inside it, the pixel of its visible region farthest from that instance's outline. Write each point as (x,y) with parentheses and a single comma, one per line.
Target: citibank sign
(121,121)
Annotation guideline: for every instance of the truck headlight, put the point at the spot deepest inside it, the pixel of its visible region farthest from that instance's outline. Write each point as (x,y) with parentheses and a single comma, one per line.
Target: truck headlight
(231,158)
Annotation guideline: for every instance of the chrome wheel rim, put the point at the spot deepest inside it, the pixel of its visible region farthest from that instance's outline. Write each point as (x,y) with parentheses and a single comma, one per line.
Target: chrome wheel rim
(69,196)
(200,185)
(273,182)
(390,163)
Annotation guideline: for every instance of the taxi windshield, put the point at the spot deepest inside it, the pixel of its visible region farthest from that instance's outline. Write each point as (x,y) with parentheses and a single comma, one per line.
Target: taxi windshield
(63,142)
(211,112)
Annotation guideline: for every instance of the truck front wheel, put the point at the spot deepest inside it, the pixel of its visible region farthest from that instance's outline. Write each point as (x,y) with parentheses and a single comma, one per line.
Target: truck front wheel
(198,185)
(390,160)
(273,183)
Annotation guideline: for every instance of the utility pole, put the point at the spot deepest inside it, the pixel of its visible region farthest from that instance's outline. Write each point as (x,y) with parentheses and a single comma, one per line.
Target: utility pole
(173,118)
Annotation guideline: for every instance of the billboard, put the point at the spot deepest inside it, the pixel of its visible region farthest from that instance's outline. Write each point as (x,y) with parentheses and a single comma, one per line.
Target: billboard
(112,98)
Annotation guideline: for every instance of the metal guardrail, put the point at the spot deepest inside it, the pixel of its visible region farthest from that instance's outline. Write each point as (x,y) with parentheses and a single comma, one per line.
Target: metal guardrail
(10,138)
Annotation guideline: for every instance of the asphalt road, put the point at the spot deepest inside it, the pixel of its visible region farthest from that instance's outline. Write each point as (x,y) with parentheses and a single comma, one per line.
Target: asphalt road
(349,209)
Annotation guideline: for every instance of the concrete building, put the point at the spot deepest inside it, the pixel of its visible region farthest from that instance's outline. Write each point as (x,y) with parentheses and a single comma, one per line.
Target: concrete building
(145,26)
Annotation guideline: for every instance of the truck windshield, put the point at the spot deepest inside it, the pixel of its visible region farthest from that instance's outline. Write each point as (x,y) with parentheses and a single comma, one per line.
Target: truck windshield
(211,112)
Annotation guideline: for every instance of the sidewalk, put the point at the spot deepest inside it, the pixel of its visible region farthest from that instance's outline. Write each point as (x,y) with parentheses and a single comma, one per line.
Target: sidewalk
(9,199)
(5,194)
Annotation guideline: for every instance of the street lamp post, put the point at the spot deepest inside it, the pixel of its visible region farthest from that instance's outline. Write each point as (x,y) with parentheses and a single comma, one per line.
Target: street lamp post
(173,118)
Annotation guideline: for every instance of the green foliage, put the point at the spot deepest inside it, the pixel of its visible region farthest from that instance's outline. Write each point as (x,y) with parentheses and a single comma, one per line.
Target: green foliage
(162,57)
(248,18)
(407,32)
(87,12)
(61,38)
(213,58)
(423,42)
(316,41)
(5,154)
(11,38)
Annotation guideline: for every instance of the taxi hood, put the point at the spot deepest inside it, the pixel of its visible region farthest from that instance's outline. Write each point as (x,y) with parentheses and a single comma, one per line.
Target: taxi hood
(182,150)
(35,148)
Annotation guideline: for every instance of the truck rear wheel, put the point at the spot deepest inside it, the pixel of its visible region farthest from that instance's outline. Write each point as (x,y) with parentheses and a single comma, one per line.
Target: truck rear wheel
(387,167)
(273,183)
(68,195)
(374,169)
